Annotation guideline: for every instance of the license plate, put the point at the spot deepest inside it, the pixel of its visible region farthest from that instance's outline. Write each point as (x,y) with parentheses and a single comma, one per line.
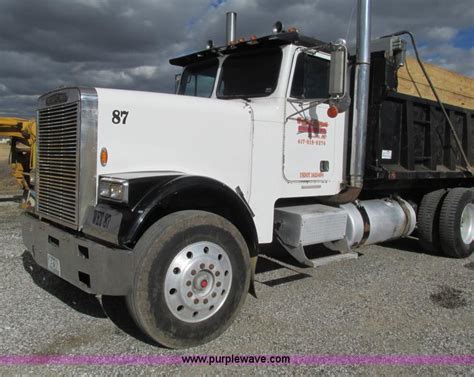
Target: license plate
(101,219)
(54,265)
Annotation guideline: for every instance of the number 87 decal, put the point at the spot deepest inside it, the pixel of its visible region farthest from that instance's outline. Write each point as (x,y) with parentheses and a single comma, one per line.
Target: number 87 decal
(119,116)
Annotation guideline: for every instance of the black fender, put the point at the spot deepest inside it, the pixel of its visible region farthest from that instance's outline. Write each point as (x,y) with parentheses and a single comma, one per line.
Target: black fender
(166,194)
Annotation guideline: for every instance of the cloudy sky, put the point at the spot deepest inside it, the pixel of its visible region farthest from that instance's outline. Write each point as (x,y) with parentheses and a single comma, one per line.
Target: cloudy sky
(45,44)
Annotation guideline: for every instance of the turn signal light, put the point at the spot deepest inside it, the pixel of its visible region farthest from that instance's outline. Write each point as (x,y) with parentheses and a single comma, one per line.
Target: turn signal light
(332,112)
(104,156)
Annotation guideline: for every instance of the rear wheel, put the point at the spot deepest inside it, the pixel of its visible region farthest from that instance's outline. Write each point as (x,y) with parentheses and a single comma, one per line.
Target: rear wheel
(191,279)
(456,226)
(428,220)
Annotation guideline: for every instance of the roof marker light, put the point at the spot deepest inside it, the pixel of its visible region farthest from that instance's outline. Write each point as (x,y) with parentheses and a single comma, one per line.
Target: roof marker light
(277,27)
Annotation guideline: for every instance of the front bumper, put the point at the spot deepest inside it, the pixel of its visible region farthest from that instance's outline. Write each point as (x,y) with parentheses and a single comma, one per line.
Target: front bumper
(86,264)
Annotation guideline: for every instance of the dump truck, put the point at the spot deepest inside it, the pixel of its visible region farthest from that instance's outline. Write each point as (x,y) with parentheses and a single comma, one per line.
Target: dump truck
(22,135)
(281,138)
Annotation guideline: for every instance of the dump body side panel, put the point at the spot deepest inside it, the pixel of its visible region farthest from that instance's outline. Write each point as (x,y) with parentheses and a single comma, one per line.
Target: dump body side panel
(409,141)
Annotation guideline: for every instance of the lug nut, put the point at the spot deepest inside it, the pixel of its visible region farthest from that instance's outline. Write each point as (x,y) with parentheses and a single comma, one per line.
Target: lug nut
(202,266)
(214,294)
(211,266)
(217,273)
(190,294)
(188,283)
(193,272)
(205,301)
(218,284)
(196,301)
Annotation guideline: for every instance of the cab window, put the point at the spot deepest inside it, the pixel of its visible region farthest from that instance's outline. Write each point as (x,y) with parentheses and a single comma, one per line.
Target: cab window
(198,79)
(311,78)
(250,74)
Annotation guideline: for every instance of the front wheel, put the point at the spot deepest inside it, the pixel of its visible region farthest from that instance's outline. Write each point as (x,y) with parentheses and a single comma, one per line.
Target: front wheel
(191,279)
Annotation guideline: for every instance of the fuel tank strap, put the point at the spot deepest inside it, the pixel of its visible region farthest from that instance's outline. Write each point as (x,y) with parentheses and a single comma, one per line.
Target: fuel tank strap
(366,219)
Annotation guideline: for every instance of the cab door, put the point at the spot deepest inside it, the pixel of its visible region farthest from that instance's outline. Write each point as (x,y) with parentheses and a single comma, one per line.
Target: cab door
(311,137)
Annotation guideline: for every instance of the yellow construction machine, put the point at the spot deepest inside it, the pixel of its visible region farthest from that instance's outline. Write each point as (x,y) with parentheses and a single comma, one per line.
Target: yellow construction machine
(22,135)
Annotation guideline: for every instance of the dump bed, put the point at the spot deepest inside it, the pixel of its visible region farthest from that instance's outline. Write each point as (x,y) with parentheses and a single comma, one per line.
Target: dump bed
(409,142)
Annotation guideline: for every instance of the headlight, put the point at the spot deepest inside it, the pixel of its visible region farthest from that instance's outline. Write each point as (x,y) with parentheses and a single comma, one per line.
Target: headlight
(115,189)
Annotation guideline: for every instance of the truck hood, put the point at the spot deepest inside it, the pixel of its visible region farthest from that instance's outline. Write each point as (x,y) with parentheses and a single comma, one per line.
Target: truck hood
(144,131)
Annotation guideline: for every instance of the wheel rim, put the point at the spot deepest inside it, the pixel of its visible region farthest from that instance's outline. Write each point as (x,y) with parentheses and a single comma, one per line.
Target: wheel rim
(198,281)
(467,224)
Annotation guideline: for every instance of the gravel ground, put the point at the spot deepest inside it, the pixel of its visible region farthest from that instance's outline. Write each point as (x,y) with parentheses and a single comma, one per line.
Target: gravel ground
(392,300)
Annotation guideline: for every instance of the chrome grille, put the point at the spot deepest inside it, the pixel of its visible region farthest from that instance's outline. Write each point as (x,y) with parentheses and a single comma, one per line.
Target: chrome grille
(58,163)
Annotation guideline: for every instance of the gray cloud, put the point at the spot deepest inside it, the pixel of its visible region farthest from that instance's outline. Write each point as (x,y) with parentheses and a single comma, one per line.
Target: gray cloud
(123,44)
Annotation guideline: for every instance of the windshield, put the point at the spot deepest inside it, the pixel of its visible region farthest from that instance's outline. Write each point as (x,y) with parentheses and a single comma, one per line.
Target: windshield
(253,74)
(198,79)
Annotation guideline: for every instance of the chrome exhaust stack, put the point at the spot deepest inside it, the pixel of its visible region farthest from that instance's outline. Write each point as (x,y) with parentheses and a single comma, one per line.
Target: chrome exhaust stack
(361,95)
(231,27)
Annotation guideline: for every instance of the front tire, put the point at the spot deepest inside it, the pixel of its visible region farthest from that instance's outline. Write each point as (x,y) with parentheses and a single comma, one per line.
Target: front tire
(191,279)
(456,224)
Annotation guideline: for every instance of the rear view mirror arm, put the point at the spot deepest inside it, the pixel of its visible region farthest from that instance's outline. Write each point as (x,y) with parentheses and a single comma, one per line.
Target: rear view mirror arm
(311,104)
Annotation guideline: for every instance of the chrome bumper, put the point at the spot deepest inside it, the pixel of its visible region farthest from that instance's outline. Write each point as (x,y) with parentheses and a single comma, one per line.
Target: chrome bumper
(86,264)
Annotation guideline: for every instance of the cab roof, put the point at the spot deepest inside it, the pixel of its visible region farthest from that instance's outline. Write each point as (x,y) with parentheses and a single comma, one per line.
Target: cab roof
(273,40)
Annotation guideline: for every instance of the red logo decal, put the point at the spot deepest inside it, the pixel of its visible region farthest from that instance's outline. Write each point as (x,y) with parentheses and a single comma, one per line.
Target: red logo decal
(312,127)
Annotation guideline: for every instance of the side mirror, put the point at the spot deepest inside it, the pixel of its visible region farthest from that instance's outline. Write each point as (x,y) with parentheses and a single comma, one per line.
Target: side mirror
(177,80)
(338,71)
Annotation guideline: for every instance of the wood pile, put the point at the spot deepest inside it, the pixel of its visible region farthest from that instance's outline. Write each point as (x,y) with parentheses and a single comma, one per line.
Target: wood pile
(453,88)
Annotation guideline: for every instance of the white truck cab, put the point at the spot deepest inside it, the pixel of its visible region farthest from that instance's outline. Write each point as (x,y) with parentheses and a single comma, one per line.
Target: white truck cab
(296,146)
